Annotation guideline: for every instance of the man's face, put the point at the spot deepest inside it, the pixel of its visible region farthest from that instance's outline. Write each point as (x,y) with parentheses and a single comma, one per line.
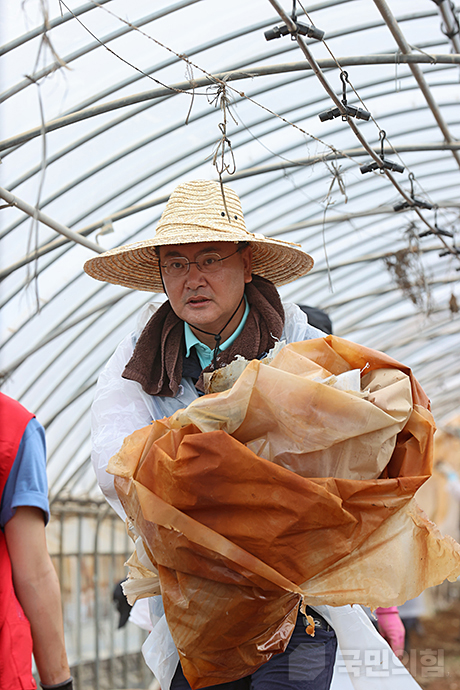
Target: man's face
(207,300)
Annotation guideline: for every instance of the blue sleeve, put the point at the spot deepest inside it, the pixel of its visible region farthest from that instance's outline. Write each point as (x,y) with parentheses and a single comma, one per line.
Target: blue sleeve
(27,484)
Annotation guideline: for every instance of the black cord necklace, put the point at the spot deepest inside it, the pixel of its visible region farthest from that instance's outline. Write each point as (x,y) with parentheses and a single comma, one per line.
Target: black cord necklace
(217,336)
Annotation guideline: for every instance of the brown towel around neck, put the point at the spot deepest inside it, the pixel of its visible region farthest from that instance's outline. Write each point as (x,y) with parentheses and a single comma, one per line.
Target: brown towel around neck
(156,362)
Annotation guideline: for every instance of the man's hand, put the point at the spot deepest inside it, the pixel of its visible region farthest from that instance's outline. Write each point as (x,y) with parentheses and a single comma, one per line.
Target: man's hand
(391,628)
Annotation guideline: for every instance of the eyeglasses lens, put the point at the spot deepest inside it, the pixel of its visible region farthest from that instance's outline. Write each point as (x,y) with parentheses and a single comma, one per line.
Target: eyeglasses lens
(179,265)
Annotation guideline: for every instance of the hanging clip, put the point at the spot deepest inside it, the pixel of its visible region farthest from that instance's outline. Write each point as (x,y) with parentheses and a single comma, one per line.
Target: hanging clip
(301,29)
(386,164)
(349,110)
(416,202)
(436,231)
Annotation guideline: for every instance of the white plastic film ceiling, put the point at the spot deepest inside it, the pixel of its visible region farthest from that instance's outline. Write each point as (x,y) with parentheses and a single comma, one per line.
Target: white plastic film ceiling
(106,106)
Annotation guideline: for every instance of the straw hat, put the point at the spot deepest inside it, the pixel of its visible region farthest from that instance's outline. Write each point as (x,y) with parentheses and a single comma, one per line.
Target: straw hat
(196,212)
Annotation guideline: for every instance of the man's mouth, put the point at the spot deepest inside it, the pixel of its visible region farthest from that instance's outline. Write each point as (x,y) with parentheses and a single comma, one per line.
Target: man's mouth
(199,299)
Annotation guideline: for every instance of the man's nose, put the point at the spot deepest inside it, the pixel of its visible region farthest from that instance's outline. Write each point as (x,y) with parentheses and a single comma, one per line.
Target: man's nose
(194,278)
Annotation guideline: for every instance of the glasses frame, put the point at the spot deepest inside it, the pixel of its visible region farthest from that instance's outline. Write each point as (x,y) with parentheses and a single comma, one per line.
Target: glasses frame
(198,263)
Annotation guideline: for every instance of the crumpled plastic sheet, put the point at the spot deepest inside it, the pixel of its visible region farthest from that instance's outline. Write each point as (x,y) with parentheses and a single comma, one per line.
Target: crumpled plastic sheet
(283,488)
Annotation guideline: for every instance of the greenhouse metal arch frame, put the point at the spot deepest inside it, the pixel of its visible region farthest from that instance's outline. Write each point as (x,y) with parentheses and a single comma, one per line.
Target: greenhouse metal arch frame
(106,106)
(298,177)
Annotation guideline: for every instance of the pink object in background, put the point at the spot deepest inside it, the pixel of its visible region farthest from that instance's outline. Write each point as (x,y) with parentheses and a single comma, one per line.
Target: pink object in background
(391,628)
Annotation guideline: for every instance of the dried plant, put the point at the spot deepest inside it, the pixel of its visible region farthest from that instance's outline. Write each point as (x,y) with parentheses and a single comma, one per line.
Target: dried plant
(406,269)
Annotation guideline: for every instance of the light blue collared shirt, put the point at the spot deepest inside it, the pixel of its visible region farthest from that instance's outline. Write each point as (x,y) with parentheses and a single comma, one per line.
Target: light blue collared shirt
(203,351)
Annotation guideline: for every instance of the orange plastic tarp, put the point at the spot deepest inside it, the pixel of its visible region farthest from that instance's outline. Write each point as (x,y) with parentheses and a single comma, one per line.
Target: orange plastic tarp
(244,503)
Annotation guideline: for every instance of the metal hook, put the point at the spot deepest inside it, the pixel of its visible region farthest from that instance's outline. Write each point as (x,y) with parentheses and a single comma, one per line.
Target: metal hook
(382,137)
(348,110)
(416,202)
(344,78)
(411,178)
(386,164)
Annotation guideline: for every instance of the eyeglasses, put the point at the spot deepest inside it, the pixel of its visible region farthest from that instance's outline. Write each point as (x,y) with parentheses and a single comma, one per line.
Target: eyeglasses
(208,262)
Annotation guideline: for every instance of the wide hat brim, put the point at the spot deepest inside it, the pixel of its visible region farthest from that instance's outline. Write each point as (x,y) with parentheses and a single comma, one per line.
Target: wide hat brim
(197,212)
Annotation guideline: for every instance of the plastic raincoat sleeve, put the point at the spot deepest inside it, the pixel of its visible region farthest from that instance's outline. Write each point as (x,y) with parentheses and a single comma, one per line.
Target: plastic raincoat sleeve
(118,409)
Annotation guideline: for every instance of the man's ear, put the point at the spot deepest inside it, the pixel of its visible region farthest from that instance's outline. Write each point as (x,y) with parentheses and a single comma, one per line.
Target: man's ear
(246,255)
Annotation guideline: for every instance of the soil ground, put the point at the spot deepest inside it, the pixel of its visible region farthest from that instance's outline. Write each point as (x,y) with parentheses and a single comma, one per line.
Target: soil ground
(434,656)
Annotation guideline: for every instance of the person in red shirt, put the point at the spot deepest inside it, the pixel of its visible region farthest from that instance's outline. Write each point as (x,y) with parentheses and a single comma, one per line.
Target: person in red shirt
(30,597)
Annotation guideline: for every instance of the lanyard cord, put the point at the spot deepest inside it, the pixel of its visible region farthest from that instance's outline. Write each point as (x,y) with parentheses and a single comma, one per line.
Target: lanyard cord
(217,336)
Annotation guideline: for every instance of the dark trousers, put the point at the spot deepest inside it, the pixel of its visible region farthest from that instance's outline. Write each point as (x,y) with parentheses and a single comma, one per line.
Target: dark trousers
(306,664)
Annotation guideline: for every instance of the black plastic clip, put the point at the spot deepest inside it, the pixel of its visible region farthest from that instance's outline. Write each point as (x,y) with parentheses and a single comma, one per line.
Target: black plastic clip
(302,29)
(416,202)
(385,164)
(436,231)
(350,110)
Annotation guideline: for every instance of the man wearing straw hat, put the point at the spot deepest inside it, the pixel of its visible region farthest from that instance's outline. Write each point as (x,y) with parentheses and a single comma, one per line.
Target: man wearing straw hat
(220,281)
